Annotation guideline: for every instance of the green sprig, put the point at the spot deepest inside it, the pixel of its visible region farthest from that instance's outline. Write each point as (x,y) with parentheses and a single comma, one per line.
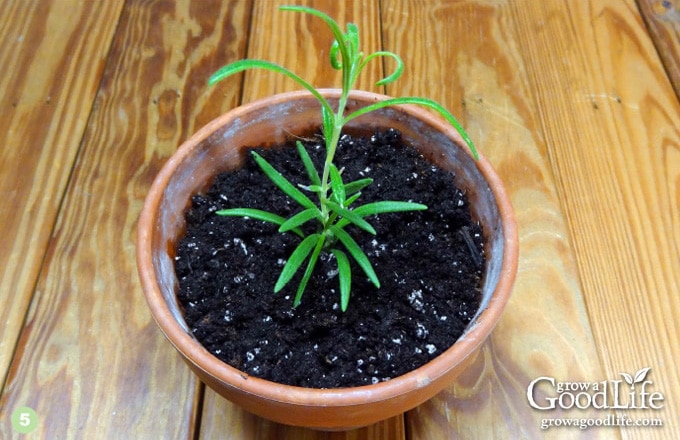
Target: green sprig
(335,208)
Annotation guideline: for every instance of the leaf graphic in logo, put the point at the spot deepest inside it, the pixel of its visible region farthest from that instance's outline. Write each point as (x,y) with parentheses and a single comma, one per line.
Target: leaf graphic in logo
(628,378)
(640,375)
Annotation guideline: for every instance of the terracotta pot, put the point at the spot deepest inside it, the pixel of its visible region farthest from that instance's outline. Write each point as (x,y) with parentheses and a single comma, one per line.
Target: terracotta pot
(218,147)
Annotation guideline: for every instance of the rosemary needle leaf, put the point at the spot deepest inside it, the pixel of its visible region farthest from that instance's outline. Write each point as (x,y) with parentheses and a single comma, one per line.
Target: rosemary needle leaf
(283,183)
(387,206)
(310,268)
(307,162)
(301,218)
(382,207)
(357,185)
(337,186)
(295,261)
(257,214)
(356,252)
(344,276)
(351,216)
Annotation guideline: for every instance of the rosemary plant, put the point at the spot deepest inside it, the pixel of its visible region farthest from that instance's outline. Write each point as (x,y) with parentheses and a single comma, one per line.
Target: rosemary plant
(336,207)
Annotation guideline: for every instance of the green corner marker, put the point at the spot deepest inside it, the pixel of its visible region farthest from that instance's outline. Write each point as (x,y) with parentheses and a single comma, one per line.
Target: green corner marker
(24,420)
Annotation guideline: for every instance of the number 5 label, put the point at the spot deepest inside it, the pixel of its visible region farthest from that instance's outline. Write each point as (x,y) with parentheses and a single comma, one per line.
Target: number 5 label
(24,420)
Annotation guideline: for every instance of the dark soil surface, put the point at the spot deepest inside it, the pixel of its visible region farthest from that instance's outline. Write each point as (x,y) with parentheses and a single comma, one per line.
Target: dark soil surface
(428,262)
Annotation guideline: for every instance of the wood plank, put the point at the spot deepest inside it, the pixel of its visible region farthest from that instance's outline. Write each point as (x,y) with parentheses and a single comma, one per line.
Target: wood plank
(663,23)
(284,38)
(466,55)
(612,126)
(93,363)
(54,53)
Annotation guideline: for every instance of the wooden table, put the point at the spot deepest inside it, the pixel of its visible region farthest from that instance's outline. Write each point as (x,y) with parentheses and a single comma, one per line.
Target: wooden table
(572,101)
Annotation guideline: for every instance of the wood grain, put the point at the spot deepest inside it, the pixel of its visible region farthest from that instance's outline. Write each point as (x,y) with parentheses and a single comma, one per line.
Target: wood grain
(92,362)
(572,102)
(612,127)
(468,57)
(55,51)
(662,18)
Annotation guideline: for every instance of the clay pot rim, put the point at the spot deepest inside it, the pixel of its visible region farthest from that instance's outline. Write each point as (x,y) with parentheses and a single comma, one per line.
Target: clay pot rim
(359,395)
